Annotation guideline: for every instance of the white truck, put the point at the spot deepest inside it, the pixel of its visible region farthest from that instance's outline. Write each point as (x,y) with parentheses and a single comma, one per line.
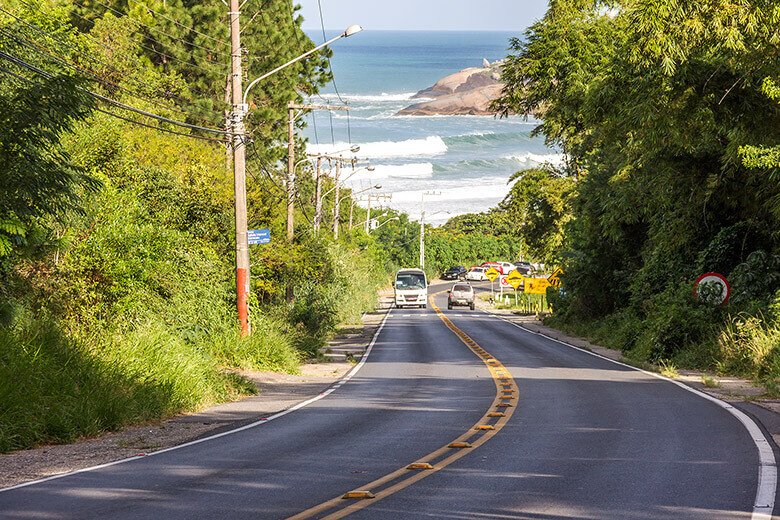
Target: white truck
(411,288)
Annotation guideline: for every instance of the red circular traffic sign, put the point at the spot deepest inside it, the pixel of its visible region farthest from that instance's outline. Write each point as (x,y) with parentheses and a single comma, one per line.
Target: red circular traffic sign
(714,278)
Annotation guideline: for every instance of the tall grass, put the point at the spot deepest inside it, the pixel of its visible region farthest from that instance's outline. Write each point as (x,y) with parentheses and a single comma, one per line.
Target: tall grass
(56,389)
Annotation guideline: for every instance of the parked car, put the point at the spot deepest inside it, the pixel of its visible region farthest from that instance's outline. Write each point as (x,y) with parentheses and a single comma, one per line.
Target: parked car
(476,274)
(461,294)
(498,267)
(524,268)
(506,267)
(456,272)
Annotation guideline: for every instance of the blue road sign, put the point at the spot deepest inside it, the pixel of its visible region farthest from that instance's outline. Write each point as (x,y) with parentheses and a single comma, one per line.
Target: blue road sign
(259,236)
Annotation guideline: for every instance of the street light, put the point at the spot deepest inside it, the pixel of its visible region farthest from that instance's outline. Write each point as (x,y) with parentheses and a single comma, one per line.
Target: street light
(385,222)
(352,29)
(240,109)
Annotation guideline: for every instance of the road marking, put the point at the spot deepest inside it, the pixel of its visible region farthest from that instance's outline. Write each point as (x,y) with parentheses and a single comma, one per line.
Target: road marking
(404,477)
(764,503)
(264,420)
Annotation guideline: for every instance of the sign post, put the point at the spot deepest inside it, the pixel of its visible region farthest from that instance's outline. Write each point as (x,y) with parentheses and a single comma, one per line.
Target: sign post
(491,273)
(712,282)
(555,279)
(515,279)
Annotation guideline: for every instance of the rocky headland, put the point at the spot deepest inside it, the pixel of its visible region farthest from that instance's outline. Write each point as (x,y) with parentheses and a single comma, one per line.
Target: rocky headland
(468,92)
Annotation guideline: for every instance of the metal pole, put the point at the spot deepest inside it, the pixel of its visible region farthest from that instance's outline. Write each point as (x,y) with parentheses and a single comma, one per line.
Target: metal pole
(336,205)
(291,174)
(318,197)
(239,171)
(368,213)
(422,231)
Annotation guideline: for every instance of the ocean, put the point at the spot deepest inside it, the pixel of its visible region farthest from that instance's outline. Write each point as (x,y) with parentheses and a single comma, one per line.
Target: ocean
(465,160)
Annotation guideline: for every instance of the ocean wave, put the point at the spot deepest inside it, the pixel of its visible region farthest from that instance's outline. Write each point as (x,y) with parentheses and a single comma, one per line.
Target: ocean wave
(556,159)
(481,138)
(470,192)
(430,146)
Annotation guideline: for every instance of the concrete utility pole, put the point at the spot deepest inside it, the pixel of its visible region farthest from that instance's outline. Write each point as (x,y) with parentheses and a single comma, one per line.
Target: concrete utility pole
(239,170)
(291,172)
(368,209)
(318,196)
(422,225)
(292,107)
(336,202)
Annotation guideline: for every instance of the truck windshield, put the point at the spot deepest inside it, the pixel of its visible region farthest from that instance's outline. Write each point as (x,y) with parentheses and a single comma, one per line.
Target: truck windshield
(410,281)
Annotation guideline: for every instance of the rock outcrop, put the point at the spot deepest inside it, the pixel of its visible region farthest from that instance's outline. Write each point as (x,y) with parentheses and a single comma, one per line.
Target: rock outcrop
(468,92)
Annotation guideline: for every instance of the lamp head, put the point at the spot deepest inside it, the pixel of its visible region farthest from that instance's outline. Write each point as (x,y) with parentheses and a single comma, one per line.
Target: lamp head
(378,187)
(370,168)
(352,29)
(355,149)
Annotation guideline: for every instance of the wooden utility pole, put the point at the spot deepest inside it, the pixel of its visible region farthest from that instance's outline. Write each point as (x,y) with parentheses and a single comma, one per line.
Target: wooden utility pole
(336,203)
(318,196)
(291,172)
(291,108)
(239,170)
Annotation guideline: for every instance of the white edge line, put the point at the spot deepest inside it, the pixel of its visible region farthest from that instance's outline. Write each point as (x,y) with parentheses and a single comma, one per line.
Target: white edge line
(767,467)
(265,420)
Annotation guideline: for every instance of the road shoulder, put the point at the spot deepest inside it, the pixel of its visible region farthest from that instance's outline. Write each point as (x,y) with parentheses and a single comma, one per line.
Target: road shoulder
(277,392)
(742,393)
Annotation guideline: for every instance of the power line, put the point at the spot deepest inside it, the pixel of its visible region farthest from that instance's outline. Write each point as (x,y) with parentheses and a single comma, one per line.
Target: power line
(114,51)
(6,71)
(213,51)
(179,24)
(49,35)
(117,104)
(62,59)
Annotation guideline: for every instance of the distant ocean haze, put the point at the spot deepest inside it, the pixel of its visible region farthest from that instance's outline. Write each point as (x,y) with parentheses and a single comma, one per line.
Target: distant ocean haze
(468,159)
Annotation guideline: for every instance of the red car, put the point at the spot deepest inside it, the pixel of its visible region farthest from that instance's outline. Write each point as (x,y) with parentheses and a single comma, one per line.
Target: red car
(494,265)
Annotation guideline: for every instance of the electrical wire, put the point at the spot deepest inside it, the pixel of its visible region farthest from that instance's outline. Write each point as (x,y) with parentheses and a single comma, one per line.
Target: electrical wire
(74,12)
(49,35)
(73,66)
(213,51)
(117,104)
(139,123)
(179,24)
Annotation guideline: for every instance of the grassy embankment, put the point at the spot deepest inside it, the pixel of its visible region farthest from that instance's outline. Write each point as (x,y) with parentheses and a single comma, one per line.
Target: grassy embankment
(126,314)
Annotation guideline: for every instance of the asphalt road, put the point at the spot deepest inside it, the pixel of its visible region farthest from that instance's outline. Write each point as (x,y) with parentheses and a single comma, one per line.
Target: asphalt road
(584,438)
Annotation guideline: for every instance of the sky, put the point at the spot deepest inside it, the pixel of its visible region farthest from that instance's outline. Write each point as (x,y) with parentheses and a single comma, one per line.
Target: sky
(457,15)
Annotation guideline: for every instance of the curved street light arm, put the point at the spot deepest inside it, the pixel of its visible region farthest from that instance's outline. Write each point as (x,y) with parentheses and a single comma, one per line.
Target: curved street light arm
(352,29)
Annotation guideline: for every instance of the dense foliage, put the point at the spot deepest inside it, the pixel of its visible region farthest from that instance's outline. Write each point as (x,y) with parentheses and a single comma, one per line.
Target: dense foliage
(669,118)
(117,290)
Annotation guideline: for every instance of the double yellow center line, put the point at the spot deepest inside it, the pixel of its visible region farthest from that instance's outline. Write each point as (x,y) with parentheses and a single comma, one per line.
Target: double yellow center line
(501,409)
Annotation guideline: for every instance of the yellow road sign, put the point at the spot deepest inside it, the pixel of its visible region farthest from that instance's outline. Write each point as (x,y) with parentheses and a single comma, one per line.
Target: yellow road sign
(492,273)
(515,279)
(554,278)
(536,285)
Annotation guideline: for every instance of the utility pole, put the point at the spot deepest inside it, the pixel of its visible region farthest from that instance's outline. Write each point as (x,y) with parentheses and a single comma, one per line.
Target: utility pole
(318,196)
(291,108)
(239,170)
(368,209)
(422,225)
(336,203)
(291,172)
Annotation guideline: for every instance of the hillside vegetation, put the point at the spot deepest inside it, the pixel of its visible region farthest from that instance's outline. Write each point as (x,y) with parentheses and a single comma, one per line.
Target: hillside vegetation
(117,289)
(669,116)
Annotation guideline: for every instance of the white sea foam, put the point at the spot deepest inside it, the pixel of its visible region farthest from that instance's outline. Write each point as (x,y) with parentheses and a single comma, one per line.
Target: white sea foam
(556,159)
(495,191)
(430,146)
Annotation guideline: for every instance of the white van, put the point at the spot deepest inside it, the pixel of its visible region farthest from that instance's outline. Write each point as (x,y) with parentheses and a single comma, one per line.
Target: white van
(411,288)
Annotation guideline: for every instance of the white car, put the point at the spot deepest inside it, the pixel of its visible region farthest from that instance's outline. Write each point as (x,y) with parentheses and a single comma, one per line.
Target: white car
(507,267)
(477,274)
